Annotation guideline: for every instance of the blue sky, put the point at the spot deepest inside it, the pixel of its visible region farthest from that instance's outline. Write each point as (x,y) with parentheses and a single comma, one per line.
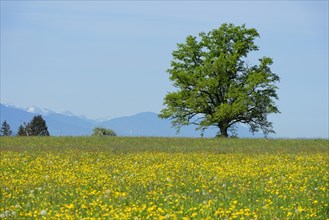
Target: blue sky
(109,58)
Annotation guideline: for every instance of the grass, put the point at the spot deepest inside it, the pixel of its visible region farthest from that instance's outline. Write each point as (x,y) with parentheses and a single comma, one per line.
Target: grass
(170,145)
(163,178)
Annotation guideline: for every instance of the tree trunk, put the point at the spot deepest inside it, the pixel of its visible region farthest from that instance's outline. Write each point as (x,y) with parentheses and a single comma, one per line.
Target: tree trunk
(223,131)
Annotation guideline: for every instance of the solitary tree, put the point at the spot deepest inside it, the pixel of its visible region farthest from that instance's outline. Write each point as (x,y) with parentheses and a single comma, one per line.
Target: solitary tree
(5,129)
(103,132)
(37,127)
(215,84)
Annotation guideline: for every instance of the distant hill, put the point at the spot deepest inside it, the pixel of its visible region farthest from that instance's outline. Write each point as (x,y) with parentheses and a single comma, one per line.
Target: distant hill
(147,124)
(58,124)
(67,124)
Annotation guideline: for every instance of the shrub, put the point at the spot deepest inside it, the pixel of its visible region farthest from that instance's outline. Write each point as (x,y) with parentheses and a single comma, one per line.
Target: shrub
(103,132)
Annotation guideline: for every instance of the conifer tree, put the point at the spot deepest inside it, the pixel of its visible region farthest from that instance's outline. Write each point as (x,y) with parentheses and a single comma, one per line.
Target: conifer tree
(21,130)
(37,127)
(5,129)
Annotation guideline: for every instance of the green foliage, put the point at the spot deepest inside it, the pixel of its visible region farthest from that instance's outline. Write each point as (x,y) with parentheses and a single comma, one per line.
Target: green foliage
(5,129)
(103,132)
(37,127)
(21,130)
(216,86)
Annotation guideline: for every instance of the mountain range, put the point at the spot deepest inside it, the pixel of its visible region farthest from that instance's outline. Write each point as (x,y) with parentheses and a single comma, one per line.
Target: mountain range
(68,124)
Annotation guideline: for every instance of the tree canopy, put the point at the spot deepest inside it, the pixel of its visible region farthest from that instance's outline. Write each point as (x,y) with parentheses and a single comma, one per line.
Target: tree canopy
(103,132)
(216,85)
(36,127)
(21,130)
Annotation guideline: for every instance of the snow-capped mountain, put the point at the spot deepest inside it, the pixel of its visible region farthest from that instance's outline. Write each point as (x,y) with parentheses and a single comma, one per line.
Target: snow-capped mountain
(68,113)
(102,119)
(58,124)
(68,124)
(40,111)
(13,106)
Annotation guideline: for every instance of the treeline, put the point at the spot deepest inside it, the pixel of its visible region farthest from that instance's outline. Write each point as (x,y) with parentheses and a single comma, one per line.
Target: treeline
(36,127)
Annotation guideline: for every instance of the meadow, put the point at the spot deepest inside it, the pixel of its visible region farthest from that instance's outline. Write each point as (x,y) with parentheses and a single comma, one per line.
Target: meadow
(163,178)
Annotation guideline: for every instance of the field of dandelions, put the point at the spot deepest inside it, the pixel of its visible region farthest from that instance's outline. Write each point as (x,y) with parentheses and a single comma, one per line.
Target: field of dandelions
(163,178)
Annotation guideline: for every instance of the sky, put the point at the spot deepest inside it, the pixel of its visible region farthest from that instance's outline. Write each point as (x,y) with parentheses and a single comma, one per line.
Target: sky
(106,59)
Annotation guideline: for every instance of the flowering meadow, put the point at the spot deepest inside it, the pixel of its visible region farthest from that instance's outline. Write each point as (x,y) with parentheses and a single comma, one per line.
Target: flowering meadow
(163,178)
